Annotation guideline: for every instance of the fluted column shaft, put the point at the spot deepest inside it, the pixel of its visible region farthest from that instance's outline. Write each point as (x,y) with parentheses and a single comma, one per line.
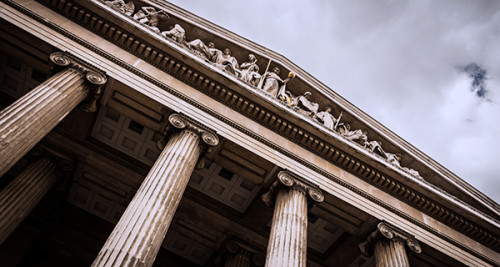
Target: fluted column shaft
(288,239)
(237,260)
(23,194)
(137,237)
(24,123)
(391,253)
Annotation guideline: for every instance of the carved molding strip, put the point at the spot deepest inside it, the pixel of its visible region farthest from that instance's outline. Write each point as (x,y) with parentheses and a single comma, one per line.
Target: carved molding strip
(387,231)
(161,61)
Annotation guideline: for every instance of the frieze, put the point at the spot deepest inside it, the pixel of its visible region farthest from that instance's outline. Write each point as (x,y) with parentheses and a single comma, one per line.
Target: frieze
(269,81)
(365,171)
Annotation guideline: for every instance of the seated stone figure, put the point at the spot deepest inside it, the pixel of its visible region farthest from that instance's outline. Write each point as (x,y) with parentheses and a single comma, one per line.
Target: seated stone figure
(393,158)
(225,61)
(249,71)
(127,8)
(376,147)
(327,119)
(357,136)
(177,33)
(305,106)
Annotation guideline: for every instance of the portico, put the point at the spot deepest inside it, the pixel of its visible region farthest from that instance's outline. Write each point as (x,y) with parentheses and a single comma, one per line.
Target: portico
(172,165)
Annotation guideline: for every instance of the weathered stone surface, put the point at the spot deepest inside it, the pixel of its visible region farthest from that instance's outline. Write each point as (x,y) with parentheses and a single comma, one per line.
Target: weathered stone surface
(137,237)
(288,239)
(24,123)
(23,194)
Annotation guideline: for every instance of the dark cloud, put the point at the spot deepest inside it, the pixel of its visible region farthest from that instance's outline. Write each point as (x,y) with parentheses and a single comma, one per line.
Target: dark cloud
(478,76)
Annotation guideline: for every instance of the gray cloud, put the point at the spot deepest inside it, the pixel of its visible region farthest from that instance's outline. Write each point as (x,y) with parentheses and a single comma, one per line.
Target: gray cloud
(397,61)
(478,77)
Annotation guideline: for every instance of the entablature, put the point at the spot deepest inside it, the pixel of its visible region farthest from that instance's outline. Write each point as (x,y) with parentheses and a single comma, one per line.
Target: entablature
(342,158)
(188,70)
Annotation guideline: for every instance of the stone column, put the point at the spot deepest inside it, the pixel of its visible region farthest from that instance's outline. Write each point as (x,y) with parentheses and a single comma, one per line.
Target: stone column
(24,123)
(389,245)
(24,192)
(137,237)
(288,239)
(241,259)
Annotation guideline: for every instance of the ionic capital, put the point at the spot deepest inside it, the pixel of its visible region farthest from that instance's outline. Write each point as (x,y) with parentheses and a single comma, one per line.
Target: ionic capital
(63,162)
(182,122)
(95,77)
(235,246)
(388,232)
(288,180)
(92,75)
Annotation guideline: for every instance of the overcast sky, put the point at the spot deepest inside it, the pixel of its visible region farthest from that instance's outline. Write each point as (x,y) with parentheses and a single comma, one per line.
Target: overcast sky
(428,70)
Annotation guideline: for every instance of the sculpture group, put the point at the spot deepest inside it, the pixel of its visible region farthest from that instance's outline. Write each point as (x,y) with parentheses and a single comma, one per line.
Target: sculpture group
(269,82)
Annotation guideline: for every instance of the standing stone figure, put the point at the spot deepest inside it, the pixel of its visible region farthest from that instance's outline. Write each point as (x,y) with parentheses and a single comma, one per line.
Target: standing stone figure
(250,71)
(327,119)
(271,82)
(225,61)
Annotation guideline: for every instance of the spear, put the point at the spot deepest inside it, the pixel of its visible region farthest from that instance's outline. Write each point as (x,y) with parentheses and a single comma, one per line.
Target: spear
(261,82)
(338,120)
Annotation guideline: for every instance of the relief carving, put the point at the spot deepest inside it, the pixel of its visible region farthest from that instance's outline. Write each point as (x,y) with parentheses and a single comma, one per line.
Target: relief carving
(120,5)
(303,105)
(249,71)
(270,82)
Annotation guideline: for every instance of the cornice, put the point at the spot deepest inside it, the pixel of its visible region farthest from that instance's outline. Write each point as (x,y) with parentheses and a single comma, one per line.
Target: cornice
(231,99)
(334,97)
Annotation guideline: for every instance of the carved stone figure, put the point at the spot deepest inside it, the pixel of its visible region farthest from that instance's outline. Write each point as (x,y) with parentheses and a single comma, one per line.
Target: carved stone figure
(127,8)
(201,49)
(376,147)
(139,15)
(271,82)
(413,172)
(393,158)
(177,33)
(250,71)
(327,119)
(225,61)
(150,17)
(305,106)
(357,135)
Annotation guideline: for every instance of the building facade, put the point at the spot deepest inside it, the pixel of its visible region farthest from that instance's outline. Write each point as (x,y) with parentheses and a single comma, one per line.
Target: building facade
(138,134)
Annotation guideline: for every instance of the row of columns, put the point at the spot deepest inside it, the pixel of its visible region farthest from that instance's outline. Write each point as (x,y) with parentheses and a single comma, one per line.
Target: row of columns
(137,237)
